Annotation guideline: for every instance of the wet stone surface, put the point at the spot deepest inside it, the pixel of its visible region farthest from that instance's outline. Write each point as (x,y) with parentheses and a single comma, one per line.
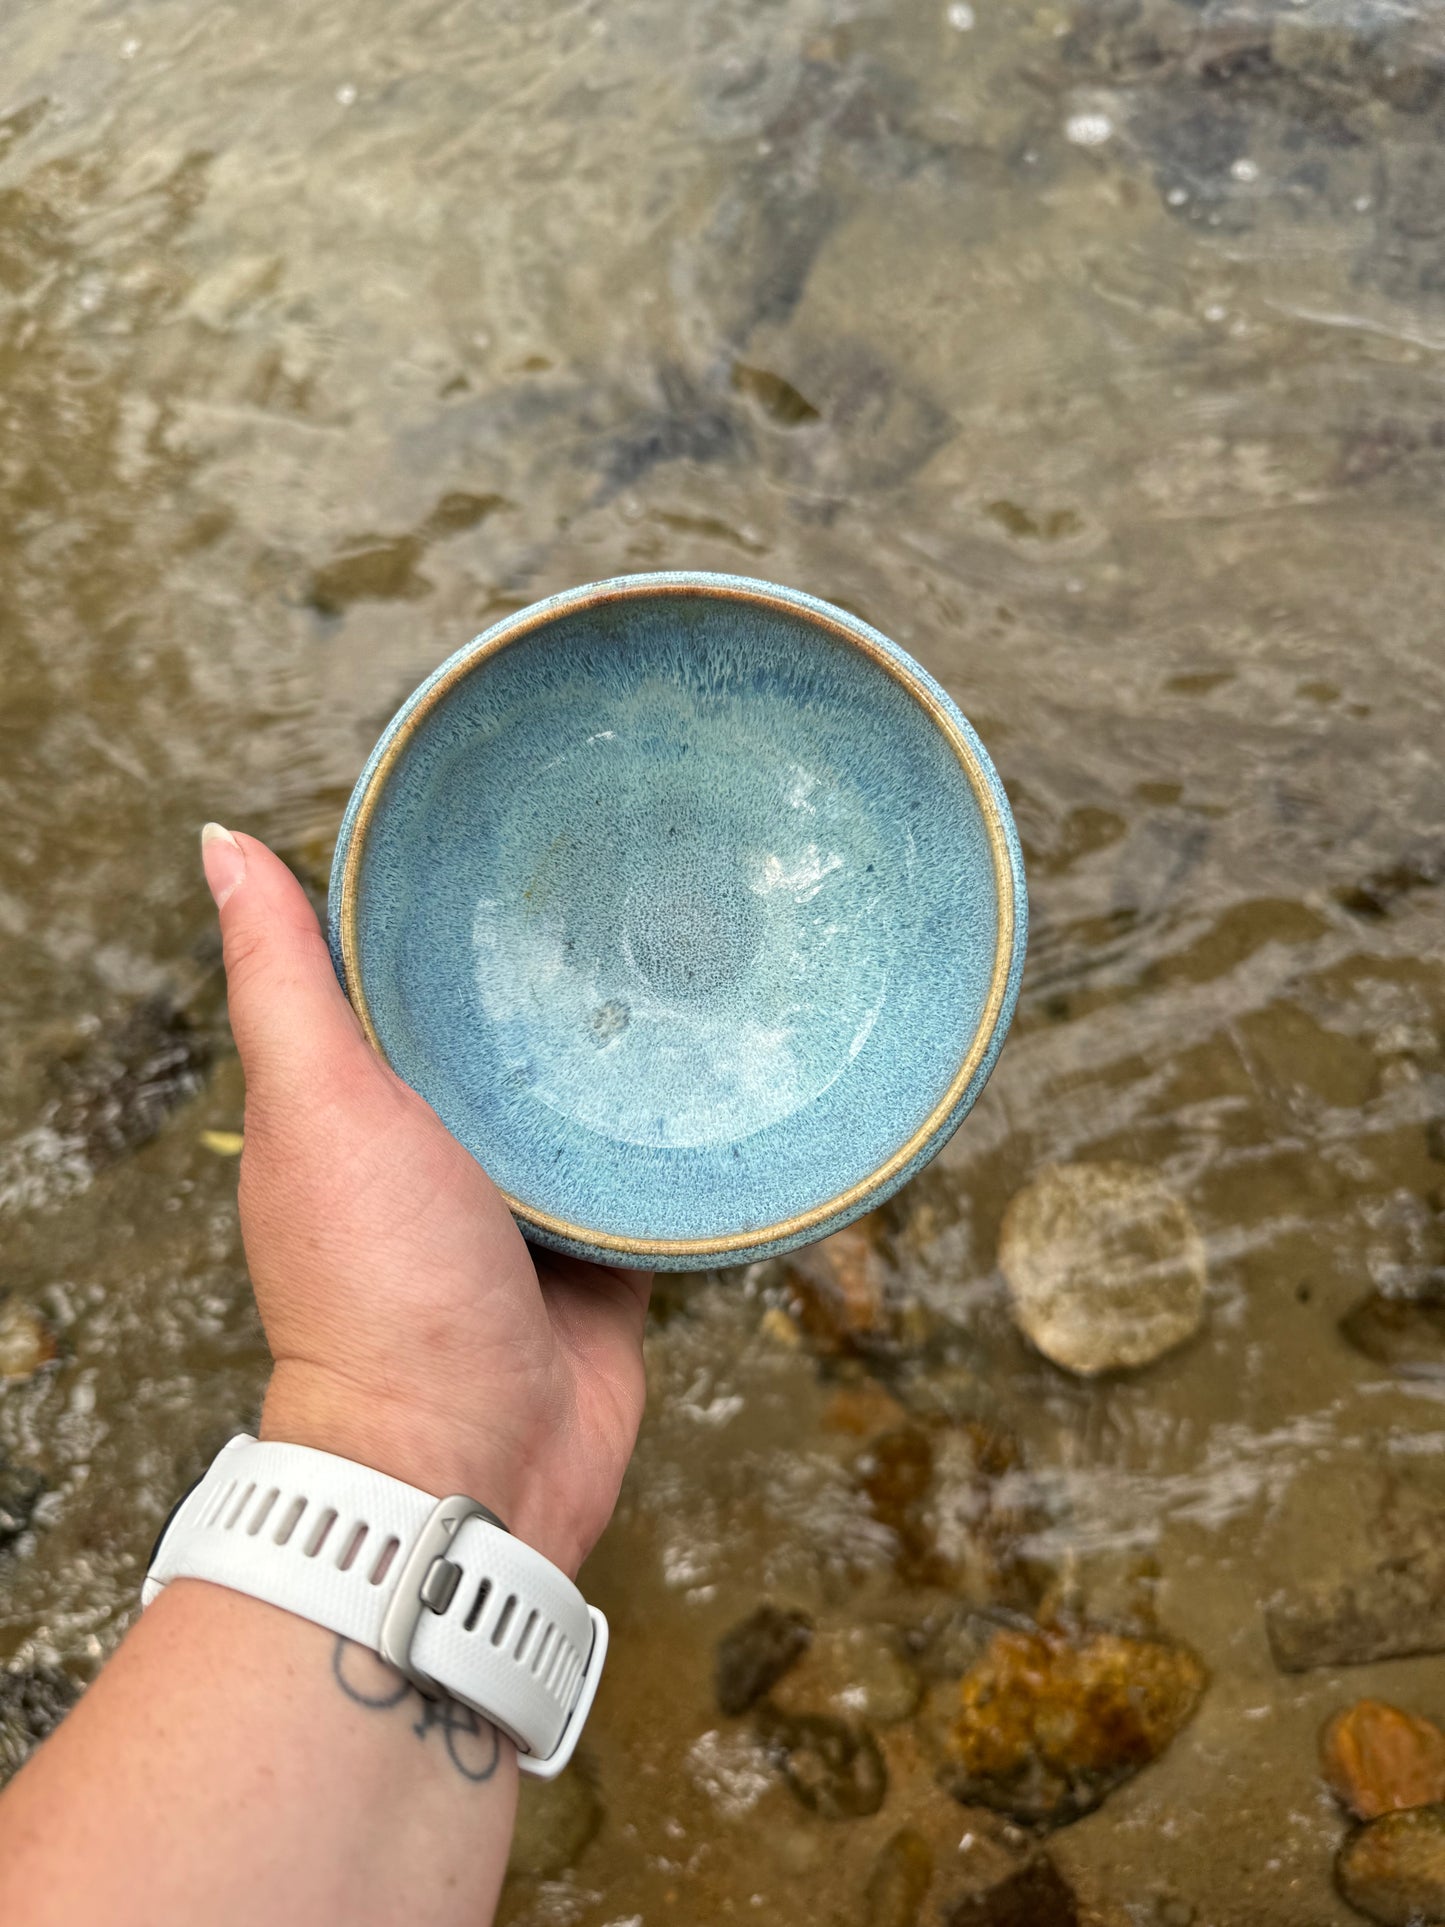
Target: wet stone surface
(1386,1611)
(1377,1759)
(955,1503)
(844,1294)
(1105,1266)
(756,1653)
(832,1766)
(1393,1869)
(851,1672)
(1046,1723)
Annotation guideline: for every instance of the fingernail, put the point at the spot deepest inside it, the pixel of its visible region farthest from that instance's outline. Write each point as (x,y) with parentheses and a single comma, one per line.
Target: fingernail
(223,860)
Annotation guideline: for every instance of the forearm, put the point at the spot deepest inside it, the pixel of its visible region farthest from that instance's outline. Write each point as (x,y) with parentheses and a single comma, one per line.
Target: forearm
(234,1764)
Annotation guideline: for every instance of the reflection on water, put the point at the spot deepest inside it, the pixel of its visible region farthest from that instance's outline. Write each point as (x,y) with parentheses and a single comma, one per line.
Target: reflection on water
(1092,350)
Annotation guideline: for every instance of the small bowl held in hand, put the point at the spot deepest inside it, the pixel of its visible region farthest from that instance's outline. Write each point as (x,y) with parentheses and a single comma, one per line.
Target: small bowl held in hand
(695,909)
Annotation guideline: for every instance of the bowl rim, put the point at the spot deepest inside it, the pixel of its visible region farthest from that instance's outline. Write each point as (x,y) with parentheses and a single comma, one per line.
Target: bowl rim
(983,780)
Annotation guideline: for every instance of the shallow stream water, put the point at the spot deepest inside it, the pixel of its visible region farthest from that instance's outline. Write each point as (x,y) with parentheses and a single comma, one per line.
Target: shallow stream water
(1092,351)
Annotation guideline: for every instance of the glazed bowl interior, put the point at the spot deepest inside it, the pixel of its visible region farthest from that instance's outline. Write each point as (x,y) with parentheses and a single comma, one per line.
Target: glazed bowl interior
(685,909)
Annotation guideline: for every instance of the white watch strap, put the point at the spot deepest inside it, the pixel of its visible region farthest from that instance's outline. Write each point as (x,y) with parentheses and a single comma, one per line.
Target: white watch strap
(434,1586)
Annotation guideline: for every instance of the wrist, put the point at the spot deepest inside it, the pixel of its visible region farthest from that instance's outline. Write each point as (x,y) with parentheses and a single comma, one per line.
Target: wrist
(307,1406)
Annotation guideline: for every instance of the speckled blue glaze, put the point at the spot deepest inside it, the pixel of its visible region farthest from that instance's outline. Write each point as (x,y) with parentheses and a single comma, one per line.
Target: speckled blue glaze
(682,912)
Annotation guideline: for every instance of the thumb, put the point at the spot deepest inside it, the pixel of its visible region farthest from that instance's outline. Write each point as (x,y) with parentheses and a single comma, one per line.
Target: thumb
(289,1015)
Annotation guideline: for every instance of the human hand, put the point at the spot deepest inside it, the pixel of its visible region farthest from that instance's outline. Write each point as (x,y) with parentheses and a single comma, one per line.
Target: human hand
(412,1328)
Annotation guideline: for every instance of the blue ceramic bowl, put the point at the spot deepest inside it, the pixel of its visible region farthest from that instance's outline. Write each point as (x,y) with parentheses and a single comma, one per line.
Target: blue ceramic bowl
(693,906)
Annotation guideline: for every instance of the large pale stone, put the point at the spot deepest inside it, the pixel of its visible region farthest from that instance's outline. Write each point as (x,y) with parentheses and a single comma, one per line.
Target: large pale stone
(1105,1266)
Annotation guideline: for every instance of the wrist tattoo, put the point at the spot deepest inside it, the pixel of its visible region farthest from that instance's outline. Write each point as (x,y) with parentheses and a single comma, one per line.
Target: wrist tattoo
(472,1743)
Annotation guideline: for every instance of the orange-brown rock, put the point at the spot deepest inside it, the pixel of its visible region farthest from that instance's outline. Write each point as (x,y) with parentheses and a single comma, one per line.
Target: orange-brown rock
(1045,1723)
(957,1518)
(895,1474)
(1377,1759)
(26,1341)
(839,1289)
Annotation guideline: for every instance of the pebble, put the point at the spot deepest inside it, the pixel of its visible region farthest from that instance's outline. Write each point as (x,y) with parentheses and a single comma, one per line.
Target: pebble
(1036,1896)
(1393,1868)
(1105,1266)
(839,1290)
(556,1819)
(1392,1611)
(1046,1723)
(900,1879)
(116,1093)
(754,1655)
(832,1766)
(1407,1334)
(32,1704)
(26,1341)
(957,1518)
(1377,1759)
(895,1475)
(852,1672)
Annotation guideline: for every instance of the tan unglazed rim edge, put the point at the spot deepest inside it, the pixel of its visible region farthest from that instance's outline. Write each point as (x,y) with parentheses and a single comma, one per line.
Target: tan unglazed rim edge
(739,1242)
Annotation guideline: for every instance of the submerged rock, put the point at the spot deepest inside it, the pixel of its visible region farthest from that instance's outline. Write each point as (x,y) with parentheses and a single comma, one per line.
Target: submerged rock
(958,1516)
(1390,1611)
(755,1654)
(852,1672)
(20,1490)
(900,1879)
(839,1290)
(116,1094)
(1037,1895)
(556,1819)
(26,1341)
(779,400)
(387,568)
(1407,1334)
(1377,1759)
(1422,867)
(895,1475)
(1104,1264)
(1046,1723)
(832,1766)
(33,1701)
(1393,1869)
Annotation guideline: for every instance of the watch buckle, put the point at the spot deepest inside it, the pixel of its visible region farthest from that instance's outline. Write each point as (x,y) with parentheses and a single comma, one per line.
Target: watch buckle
(427,1582)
